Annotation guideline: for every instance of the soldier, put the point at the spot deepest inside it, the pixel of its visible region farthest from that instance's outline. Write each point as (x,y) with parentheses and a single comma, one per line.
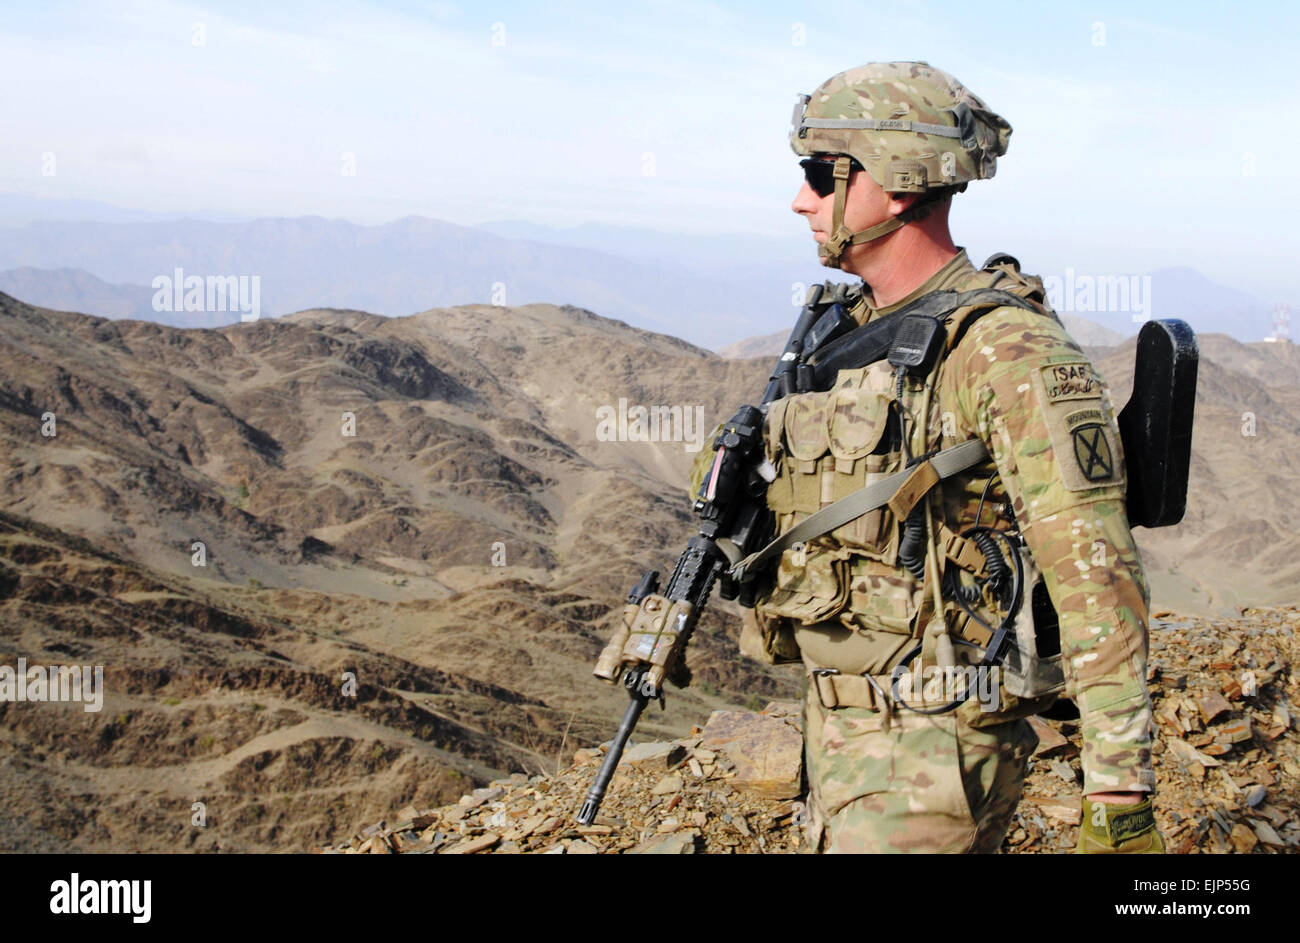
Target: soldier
(885,148)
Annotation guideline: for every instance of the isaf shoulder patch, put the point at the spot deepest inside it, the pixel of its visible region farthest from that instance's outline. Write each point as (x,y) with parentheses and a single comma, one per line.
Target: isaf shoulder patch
(1083,434)
(1075,380)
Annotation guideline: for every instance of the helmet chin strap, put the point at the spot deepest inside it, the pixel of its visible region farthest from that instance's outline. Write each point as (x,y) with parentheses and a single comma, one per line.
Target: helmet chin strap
(841,236)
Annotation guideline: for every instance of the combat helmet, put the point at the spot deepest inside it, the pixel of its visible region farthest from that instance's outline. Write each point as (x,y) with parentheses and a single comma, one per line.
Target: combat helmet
(912,127)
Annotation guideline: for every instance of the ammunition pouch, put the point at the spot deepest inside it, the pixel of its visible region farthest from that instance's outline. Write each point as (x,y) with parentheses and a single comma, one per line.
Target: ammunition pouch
(767,638)
(826,446)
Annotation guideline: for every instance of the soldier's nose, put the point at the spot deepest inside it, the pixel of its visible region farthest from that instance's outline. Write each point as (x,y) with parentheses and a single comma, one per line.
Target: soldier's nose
(805,201)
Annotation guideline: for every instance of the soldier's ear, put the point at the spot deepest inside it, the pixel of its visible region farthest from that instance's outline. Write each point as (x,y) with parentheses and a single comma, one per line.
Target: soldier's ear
(901,202)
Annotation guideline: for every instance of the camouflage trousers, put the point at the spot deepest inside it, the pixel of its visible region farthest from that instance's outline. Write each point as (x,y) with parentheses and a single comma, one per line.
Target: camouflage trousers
(930,784)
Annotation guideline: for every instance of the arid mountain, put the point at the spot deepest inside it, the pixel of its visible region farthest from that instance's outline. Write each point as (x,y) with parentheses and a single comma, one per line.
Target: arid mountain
(442,506)
(463,551)
(763,345)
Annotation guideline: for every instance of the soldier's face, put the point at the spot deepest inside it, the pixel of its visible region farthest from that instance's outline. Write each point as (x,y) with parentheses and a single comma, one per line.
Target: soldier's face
(865,205)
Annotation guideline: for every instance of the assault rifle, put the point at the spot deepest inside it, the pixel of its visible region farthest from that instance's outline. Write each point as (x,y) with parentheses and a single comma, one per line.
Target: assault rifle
(732,505)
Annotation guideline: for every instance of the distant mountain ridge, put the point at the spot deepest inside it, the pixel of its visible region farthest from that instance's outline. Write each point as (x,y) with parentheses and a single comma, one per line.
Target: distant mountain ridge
(77,290)
(399,268)
(19,209)
(707,290)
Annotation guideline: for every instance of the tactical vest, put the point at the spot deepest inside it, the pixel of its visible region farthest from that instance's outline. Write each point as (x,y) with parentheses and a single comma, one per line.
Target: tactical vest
(828,445)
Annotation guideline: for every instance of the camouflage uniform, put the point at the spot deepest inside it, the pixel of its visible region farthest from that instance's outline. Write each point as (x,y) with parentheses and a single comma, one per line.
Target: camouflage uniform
(881,778)
(892,780)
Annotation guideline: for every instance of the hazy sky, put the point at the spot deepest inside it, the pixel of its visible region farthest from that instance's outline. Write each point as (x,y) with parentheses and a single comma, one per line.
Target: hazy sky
(1142,139)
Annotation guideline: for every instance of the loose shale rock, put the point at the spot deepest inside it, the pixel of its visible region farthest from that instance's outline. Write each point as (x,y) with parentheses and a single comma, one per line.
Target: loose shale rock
(767,751)
(1227,780)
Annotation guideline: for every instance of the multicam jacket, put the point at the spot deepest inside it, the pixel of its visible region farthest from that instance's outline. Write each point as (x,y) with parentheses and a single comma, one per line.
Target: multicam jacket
(1020,383)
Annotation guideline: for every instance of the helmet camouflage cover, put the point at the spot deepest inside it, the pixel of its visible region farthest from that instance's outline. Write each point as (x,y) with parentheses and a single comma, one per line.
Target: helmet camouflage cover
(911,126)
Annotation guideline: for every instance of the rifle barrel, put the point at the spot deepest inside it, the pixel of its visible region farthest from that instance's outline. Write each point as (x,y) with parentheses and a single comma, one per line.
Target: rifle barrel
(591,804)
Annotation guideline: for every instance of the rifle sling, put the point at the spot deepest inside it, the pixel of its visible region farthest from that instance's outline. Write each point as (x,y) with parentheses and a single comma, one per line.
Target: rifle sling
(945,464)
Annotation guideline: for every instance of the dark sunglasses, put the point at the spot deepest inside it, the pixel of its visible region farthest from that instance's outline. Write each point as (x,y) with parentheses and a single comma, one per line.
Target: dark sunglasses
(820,174)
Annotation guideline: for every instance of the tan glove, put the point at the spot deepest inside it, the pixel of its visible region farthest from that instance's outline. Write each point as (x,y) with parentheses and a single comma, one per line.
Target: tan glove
(1114,829)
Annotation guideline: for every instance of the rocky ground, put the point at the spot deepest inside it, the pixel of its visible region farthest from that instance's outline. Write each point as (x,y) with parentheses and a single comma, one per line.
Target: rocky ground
(1227,759)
